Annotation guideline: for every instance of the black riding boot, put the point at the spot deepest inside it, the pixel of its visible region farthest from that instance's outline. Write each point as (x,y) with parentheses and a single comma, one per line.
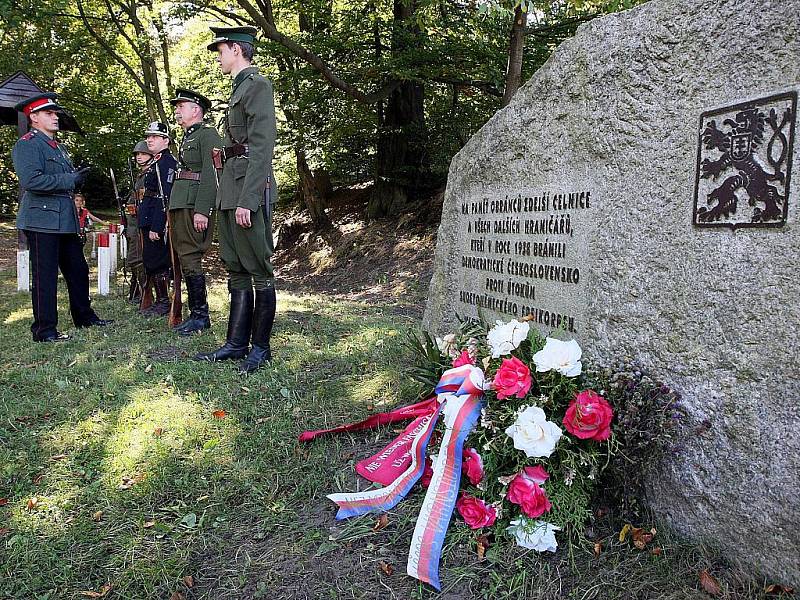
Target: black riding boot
(135,291)
(138,281)
(263,318)
(160,307)
(240,321)
(198,319)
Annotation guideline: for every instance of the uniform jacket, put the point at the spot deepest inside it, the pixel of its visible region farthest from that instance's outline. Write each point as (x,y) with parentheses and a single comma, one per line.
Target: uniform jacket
(250,119)
(152,208)
(195,156)
(134,199)
(47,177)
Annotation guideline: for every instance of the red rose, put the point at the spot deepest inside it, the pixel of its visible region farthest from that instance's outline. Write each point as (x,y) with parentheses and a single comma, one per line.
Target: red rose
(463,359)
(472,465)
(513,378)
(525,490)
(427,473)
(476,512)
(589,417)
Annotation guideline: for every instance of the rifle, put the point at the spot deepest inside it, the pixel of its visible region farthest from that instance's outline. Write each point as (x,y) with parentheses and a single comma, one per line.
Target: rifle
(176,306)
(123,217)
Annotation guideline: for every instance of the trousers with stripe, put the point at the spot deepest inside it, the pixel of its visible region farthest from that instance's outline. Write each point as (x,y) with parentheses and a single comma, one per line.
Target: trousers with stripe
(50,252)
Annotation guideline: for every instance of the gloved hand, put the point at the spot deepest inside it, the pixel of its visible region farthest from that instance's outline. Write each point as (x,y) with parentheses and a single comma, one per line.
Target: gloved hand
(80,176)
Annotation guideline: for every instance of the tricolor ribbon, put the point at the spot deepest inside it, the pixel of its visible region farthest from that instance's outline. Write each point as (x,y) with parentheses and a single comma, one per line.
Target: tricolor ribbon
(459,398)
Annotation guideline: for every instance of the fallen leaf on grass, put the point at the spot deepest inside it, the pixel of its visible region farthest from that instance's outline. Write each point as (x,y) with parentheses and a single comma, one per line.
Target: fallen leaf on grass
(32,503)
(158,431)
(38,479)
(176,596)
(148,524)
(624,533)
(103,591)
(129,482)
(58,457)
(72,364)
(4,531)
(188,581)
(386,567)
(98,516)
(709,584)
(483,546)
(148,368)
(656,551)
(246,390)
(381,523)
(775,589)
(598,548)
(219,414)
(3,501)
(641,537)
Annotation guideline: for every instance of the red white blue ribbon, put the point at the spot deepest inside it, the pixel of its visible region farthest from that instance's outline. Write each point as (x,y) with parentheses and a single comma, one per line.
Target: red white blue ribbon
(460,415)
(459,398)
(383,499)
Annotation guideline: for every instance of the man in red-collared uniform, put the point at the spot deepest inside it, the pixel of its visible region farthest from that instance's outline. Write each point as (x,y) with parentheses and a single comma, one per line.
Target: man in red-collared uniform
(48,217)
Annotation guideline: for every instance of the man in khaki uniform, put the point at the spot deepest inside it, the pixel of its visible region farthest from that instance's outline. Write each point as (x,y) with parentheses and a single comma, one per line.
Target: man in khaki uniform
(191,202)
(245,198)
(142,157)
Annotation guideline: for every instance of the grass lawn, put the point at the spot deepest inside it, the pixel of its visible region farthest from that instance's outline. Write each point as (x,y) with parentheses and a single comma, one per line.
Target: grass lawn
(118,467)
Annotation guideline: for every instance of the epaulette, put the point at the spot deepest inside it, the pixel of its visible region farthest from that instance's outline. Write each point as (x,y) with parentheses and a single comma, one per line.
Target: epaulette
(28,136)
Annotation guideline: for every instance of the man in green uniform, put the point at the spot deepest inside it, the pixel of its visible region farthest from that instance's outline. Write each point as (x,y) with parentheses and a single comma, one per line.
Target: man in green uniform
(246,197)
(142,157)
(192,202)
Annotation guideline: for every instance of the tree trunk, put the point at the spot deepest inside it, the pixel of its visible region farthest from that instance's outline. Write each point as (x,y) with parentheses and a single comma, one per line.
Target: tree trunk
(311,195)
(324,183)
(401,156)
(515,51)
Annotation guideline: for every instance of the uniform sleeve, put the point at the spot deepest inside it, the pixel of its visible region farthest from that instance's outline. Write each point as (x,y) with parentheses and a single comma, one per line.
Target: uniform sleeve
(259,106)
(30,166)
(166,168)
(207,192)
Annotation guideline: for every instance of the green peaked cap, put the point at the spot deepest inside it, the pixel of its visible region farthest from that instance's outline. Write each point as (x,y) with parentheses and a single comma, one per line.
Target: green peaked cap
(232,34)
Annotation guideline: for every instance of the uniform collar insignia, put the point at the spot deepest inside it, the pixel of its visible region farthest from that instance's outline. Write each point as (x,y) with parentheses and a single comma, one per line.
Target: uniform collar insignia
(52,143)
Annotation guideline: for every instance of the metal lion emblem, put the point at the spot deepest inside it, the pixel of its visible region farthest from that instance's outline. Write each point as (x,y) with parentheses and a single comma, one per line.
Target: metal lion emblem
(744,159)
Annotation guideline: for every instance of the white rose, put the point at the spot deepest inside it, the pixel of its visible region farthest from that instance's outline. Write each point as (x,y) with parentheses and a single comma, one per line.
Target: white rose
(505,337)
(533,433)
(564,357)
(447,345)
(539,535)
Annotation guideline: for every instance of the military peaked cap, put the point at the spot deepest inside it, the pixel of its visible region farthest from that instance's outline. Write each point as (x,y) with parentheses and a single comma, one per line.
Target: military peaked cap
(46,101)
(156,128)
(141,148)
(232,34)
(184,95)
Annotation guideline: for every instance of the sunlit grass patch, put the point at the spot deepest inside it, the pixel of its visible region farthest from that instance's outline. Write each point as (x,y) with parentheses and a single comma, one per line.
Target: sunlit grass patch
(20,314)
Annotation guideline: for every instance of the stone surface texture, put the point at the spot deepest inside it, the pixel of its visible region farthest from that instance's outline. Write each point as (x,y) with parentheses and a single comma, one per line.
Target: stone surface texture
(712,312)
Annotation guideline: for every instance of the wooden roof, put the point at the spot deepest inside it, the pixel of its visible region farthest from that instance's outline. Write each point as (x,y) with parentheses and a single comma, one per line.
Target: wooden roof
(18,87)
(13,89)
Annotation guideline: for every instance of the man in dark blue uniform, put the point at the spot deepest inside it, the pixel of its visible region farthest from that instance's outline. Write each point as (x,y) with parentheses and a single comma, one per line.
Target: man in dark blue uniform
(48,217)
(153,216)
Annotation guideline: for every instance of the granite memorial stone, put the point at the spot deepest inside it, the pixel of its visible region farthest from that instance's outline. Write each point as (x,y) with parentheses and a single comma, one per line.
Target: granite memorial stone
(638,195)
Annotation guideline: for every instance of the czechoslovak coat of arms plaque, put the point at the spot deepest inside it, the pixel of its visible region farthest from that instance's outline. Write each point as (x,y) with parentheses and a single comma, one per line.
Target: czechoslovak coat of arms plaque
(744,163)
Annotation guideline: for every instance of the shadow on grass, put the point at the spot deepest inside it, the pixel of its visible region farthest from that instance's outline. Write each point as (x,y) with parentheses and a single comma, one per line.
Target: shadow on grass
(115,468)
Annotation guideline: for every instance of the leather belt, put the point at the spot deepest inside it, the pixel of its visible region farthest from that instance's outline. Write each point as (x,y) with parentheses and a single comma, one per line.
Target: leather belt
(182,174)
(235,150)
